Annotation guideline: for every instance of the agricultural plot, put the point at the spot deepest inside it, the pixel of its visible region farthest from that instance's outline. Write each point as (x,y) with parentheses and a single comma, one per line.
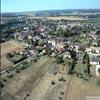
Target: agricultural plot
(63,17)
(8,47)
(79,89)
(22,83)
(52,86)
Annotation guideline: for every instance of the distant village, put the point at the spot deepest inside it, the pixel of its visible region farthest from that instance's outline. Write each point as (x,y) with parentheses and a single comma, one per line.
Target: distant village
(55,38)
(50,58)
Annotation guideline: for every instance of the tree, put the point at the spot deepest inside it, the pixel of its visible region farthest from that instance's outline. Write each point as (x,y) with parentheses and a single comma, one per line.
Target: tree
(84,57)
(36,43)
(60,32)
(49,52)
(99,70)
(73,54)
(71,67)
(87,62)
(59,59)
(41,43)
(98,32)
(97,81)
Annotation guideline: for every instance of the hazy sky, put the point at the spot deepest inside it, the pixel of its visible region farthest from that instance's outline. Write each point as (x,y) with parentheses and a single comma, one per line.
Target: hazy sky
(35,5)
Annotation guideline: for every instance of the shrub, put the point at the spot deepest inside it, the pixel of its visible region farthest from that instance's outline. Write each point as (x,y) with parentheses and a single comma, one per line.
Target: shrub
(55,73)
(8,71)
(10,75)
(59,59)
(60,98)
(25,64)
(23,67)
(9,55)
(62,79)
(53,83)
(17,70)
(35,60)
(21,59)
(99,70)
(5,80)
(1,85)
(28,95)
(62,93)
(97,81)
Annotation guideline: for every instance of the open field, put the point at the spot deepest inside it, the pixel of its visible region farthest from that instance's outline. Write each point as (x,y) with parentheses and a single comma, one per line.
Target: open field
(35,83)
(23,82)
(46,91)
(8,47)
(79,89)
(63,17)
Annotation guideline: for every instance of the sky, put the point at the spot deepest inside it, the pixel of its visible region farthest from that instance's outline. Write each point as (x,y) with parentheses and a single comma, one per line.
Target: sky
(36,5)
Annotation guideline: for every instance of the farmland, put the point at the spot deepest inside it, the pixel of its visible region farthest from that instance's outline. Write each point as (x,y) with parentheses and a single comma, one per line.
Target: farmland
(27,77)
(80,89)
(63,17)
(8,47)
(52,57)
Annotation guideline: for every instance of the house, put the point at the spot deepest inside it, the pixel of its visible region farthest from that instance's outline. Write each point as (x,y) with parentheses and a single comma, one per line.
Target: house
(36,38)
(66,55)
(60,46)
(22,35)
(25,34)
(97,72)
(93,35)
(95,61)
(52,43)
(93,51)
(95,42)
(96,49)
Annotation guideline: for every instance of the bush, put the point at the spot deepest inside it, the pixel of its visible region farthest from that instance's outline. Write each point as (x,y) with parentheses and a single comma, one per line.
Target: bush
(99,70)
(55,73)
(53,83)
(10,75)
(1,85)
(59,59)
(17,70)
(25,64)
(23,67)
(5,80)
(9,55)
(60,98)
(97,81)
(8,71)
(35,60)
(62,79)
(62,93)
(21,59)
(28,95)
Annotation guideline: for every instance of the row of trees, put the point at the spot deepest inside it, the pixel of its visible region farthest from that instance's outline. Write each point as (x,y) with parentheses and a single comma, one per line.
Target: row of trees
(86,62)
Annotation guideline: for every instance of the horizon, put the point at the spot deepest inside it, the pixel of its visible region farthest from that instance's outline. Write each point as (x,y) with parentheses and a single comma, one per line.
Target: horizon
(11,6)
(50,10)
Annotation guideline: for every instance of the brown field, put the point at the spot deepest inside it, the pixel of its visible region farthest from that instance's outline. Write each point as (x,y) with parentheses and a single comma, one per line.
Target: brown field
(8,47)
(79,89)
(63,17)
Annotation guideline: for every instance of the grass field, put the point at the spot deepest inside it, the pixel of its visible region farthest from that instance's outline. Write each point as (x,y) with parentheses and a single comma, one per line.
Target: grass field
(8,47)
(79,89)
(23,82)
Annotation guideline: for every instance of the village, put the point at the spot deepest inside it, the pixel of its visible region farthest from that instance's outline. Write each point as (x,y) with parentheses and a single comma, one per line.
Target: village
(73,45)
